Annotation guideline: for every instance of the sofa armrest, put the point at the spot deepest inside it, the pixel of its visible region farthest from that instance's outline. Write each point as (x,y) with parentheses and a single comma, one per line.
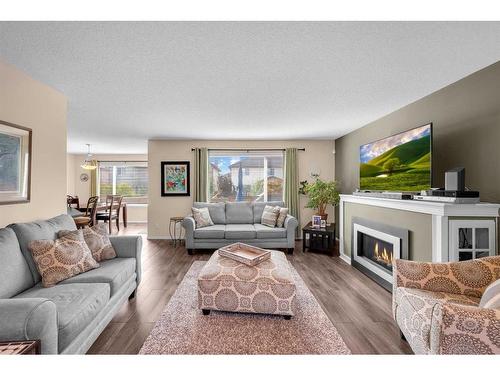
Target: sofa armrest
(461,329)
(189,226)
(467,277)
(29,319)
(290,225)
(129,247)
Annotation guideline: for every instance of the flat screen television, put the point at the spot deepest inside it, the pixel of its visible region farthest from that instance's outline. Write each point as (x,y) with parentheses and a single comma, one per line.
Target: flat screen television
(401,162)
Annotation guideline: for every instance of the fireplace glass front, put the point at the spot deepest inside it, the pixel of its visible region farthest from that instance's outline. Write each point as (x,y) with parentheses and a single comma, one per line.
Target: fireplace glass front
(376,250)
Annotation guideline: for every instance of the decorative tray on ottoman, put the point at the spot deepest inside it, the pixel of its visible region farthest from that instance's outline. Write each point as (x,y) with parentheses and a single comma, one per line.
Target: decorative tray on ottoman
(246,254)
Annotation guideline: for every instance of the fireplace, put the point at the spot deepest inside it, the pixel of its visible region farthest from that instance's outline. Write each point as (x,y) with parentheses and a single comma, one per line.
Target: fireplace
(375,246)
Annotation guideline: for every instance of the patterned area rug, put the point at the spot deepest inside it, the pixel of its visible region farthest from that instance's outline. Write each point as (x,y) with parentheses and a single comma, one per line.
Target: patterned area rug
(183,329)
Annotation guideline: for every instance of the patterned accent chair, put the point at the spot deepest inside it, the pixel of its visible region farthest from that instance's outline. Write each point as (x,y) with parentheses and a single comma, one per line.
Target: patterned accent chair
(436,306)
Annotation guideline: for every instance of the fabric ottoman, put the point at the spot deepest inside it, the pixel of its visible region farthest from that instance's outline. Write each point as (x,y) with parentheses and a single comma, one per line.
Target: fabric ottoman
(227,285)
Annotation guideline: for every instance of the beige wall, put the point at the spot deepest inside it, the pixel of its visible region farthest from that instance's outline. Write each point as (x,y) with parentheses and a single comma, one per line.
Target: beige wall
(419,225)
(136,213)
(318,155)
(70,174)
(29,103)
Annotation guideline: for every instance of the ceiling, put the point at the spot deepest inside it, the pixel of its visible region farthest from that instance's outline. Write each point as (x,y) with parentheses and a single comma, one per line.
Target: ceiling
(127,82)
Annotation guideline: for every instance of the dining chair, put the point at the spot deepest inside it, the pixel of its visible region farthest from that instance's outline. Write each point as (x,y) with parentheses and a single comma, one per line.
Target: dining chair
(89,216)
(73,200)
(112,211)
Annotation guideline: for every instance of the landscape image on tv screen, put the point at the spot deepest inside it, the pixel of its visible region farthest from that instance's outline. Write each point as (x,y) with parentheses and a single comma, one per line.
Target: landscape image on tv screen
(401,162)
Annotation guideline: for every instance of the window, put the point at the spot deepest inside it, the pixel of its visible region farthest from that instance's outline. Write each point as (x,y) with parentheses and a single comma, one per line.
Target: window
(129,179)
(252,176)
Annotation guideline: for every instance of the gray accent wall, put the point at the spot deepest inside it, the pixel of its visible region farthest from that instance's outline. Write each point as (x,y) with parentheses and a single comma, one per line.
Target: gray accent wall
(419,227)
(466,126)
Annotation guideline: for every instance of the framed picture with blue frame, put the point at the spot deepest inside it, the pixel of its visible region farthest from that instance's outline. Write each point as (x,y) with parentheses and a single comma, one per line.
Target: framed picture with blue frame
(175,180)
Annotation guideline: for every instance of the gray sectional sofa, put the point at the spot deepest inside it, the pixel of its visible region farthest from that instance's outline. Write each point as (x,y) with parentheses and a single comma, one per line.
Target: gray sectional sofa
(68,317)
(238,222)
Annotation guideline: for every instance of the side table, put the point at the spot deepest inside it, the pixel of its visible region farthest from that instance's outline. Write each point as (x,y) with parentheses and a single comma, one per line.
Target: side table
(321,239)
(175,235)
(20,347)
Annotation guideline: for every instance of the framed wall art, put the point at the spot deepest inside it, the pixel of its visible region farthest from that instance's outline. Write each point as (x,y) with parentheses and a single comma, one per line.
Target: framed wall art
(175,178)
(15,163)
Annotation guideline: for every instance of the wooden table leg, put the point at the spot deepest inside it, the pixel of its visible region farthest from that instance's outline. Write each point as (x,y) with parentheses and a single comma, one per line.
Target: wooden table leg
(303,241)
(124,215)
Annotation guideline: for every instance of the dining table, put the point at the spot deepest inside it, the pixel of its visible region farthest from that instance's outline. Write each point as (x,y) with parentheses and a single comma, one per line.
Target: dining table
(100,207)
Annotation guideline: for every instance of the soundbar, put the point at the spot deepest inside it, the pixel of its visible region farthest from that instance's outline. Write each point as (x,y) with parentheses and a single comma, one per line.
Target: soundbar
(383,194)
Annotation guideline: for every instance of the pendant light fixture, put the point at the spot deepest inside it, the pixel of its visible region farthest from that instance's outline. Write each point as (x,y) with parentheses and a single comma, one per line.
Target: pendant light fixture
(88,163)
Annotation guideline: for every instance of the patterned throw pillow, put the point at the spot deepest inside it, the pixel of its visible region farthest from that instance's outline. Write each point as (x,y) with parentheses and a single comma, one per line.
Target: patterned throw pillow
(97,240)
(62,258)
(202,217)
(282,217)
(270,215)
(491,296)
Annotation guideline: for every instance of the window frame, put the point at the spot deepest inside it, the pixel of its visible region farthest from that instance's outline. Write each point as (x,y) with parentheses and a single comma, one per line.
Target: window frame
(115,164)
(240,154)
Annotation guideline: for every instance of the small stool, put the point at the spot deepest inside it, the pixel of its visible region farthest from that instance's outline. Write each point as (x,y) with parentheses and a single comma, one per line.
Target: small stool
(81,221)
(172,229)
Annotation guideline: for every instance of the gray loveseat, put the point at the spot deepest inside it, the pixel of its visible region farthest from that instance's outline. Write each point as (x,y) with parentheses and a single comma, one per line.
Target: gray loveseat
(238,222)
(66,318)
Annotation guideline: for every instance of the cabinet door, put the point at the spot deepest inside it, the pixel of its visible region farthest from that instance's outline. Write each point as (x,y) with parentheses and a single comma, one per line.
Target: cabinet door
(471,239)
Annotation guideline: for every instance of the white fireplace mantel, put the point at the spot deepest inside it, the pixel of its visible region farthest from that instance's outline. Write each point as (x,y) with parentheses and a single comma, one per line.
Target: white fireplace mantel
(440,212)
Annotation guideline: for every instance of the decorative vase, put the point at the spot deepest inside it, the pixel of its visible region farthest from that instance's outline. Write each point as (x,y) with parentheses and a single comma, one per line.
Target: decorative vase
(324,217)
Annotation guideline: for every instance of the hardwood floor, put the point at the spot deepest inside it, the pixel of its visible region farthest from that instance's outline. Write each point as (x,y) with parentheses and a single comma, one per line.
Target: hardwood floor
(358,307)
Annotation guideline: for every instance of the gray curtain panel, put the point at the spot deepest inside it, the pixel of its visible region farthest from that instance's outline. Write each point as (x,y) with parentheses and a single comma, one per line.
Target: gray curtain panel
(200,174)
(292,185)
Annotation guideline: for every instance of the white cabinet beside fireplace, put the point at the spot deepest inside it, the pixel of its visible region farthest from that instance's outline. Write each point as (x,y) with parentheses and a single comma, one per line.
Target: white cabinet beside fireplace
(471,239)
(444,215)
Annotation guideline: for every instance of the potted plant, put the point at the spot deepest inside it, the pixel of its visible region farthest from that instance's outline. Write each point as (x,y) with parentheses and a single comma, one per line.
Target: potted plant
(321,194)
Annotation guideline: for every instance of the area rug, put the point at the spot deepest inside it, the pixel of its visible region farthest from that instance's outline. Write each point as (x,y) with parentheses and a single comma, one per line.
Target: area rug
(183,329)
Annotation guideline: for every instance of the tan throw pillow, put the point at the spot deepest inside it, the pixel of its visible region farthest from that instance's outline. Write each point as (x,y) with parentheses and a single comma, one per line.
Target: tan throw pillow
(270,215)
(202,217)
(63,258)
(97,240)
(282,217)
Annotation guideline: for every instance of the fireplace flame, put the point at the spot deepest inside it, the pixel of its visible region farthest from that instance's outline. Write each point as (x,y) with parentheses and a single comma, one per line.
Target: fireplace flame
(384,257)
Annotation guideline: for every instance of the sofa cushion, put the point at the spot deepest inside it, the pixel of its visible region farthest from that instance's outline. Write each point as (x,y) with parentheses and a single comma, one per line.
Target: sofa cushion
(77,305)
(214,231)
(62,258)
(217,211)
(40,230)
(263,231)
(115,272)
(239,213)
(15,274)
(240,231)
(258,208)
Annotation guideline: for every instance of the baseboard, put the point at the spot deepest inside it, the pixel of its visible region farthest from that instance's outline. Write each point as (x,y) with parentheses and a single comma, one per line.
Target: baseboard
(159,237)
(345,258)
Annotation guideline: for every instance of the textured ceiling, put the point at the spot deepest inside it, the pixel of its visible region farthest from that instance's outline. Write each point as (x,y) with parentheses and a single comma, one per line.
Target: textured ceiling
(127,82)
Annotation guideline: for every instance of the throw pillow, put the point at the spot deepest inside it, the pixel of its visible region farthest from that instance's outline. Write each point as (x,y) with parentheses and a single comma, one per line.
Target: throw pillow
(282,217)
(97,240)
(202,217)
(491,296)
(63,258)
(270,215)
